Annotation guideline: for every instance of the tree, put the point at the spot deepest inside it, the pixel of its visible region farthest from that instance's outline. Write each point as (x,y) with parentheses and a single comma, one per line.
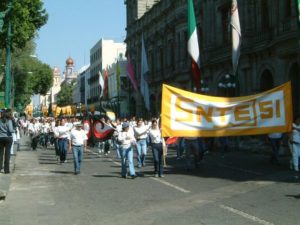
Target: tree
(65,96)
(30,75)
(26,16)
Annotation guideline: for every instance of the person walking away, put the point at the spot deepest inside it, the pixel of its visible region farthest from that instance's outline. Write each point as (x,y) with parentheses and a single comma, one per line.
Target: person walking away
(275,140)
(78,144)
(63,137)
(55,139)
(157,149)
(140,134)
(33,129)
(126,140)
(296,146)
(6,130)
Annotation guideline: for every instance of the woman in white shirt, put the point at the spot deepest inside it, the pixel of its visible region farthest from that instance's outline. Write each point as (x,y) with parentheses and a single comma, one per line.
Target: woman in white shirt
(157,150)
(296,144)
(126,140)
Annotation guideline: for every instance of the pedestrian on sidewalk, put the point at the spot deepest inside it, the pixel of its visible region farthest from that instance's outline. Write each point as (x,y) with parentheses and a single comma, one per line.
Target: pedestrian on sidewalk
(157,149)
(6,140)
(78,144)
(126,140)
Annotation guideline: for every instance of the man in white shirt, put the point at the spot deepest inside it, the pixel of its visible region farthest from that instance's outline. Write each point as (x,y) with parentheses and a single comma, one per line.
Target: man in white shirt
(78,144)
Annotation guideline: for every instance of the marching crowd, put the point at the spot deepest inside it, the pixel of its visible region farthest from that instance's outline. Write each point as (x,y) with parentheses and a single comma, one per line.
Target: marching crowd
(127,136)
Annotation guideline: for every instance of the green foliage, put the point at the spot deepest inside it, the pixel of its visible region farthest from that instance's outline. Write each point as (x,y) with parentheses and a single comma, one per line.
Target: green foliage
(65,96)
(31,76)
(26,16)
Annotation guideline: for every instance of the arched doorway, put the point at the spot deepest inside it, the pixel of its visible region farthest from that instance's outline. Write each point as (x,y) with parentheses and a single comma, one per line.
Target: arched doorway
(295,79)
(266,81)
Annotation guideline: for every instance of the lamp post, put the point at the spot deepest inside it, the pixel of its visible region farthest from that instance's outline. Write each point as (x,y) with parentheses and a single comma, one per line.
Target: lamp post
(228,85)
(8,61)
(204,87)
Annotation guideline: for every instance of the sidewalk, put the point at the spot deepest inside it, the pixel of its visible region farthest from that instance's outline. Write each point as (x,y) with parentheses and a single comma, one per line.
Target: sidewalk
(5,179)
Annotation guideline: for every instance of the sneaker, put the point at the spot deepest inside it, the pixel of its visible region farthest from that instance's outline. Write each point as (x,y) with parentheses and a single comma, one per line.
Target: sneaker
(133,176)
(161,176)
(156,175)
(124,177)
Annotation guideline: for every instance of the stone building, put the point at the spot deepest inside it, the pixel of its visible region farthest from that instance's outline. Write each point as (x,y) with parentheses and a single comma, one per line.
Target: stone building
(269,51)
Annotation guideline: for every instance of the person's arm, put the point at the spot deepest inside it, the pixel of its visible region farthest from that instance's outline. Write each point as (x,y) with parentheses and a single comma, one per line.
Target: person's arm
(10,127)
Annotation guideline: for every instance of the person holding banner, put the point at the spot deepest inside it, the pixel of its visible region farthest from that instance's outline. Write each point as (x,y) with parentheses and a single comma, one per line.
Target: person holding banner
(296,145)
(126,140)
(157,149)
(275,140)
(192,148)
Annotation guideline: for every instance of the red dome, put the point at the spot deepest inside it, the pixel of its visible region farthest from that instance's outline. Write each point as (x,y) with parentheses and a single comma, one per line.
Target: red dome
(69,61)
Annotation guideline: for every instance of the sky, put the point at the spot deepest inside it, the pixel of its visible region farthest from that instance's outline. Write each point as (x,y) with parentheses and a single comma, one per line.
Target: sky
(75,26)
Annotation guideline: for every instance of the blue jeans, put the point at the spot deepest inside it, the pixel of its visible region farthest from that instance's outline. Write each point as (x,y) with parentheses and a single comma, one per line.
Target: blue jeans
(157,158)
(78,155)
(127,156)
(63,148)
(141,146)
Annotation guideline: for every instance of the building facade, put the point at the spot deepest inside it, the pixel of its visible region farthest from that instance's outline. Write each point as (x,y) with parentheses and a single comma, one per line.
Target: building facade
(269,51)
(102,55)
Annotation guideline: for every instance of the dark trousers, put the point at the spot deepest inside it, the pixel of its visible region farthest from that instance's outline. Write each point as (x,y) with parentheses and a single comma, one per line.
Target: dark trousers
(34,141)
(275,143)
(5,146)
(157,158)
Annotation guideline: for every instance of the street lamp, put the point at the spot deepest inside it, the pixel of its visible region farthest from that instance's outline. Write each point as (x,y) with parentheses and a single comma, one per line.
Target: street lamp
(228,85)
(204,87)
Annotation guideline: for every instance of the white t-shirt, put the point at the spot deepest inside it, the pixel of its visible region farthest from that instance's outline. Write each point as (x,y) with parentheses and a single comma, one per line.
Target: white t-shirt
(155,136)
(296,133)
(78,137)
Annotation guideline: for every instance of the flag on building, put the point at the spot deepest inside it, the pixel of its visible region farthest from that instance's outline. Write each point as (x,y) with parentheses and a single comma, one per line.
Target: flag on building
(144,76)
(105,89)
(298,12)
(130,74)
(236,35)
(118,72)
(193,45)
(101,83)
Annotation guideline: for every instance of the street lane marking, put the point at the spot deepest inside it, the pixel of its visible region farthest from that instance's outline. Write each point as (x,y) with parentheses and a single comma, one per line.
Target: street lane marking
(159,180)
(246,215)
(170,185)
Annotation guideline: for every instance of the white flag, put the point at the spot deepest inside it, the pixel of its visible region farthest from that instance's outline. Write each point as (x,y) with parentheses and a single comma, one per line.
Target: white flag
(144,76)
(101,83)
(236,35)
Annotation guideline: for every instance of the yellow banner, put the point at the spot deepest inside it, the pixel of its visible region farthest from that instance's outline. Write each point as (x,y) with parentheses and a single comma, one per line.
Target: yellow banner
(187,114)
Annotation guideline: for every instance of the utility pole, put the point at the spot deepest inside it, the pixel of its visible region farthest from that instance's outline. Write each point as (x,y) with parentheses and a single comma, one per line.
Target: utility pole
(8,63)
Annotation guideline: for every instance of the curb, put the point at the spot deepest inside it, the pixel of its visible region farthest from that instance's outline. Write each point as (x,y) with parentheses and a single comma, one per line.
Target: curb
(5,179)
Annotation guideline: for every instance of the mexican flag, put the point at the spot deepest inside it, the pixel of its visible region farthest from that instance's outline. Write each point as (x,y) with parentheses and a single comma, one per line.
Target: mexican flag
(193,46)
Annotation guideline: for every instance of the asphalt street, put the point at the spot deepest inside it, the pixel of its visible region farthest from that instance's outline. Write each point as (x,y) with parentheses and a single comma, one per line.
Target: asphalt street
(238,189)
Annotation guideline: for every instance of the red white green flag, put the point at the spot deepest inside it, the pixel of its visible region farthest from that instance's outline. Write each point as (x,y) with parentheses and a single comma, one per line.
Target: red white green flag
(193,46)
